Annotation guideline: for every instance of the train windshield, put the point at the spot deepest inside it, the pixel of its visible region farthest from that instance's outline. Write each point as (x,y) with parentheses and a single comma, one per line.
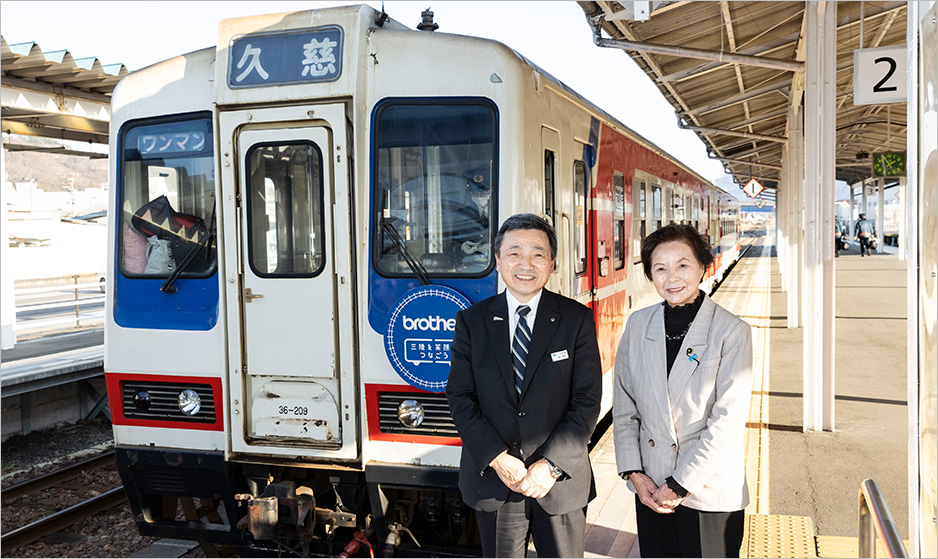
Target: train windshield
(167,199)
(434,185)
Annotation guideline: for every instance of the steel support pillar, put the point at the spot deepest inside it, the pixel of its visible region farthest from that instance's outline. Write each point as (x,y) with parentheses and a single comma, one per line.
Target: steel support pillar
(781,223)
(819,161)
(903,221)
(863,192)
(880,215)
(919,231)
(794,178)
(853,209)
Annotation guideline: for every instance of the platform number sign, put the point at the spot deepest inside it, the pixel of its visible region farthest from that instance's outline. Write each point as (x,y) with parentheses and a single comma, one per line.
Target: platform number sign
(879,75)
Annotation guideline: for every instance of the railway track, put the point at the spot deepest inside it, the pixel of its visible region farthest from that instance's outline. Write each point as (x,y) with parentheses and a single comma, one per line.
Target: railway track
(62,519)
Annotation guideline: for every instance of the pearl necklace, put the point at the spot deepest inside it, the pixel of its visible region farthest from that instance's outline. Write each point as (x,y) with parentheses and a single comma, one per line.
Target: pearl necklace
(679,336)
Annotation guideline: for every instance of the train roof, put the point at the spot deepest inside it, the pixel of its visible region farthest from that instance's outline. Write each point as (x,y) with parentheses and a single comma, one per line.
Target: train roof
(605,115)
(389,23)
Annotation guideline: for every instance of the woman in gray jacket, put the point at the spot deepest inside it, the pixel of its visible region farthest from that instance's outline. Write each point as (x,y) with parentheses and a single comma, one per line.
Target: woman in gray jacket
(683,383)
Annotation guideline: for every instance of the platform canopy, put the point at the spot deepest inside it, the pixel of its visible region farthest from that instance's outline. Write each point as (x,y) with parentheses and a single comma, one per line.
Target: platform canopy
(729,70)
(55,95)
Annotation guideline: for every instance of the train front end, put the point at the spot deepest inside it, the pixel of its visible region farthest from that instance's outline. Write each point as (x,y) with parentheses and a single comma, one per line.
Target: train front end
(299,214)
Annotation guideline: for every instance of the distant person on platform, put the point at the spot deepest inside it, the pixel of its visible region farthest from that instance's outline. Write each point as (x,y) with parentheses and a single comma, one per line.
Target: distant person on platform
(524,389)
(840,234)
(864,231)
(681,393)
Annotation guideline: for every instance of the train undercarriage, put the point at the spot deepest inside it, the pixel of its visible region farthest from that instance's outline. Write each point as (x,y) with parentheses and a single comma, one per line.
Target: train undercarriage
(253,509)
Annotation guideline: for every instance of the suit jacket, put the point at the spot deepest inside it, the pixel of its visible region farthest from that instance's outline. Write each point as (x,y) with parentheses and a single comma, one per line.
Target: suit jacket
(557,411)
(692,424)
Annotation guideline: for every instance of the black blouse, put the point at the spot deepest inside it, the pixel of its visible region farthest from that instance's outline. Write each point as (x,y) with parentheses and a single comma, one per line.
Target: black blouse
(677,321)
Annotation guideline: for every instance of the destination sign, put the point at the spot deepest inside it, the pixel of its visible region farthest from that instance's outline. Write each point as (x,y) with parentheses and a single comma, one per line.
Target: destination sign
(180,138)
(308,56)
(171,143)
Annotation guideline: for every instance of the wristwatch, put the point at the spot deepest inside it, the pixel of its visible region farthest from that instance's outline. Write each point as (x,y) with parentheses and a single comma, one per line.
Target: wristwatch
(555,471)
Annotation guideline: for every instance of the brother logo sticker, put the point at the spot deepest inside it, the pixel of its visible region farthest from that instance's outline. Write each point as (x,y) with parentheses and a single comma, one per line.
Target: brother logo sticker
(419,335)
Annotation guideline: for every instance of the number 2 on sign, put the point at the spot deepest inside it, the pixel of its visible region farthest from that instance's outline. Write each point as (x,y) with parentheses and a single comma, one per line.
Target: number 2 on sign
(880,87)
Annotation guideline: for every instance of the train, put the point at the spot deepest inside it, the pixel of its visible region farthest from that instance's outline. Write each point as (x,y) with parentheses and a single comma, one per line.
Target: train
(300,212)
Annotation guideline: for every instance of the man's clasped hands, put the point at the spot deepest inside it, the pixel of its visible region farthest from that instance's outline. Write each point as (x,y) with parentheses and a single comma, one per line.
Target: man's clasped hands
(534,481)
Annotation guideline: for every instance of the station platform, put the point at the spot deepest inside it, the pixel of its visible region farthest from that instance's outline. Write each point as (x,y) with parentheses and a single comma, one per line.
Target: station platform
(804,486)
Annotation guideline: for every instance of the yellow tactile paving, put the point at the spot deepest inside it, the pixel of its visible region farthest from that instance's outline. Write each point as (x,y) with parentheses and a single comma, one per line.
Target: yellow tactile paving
(775,535)
(845,546)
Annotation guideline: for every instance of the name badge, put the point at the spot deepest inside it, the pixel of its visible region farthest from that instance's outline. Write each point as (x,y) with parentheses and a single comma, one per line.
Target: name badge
(559,356)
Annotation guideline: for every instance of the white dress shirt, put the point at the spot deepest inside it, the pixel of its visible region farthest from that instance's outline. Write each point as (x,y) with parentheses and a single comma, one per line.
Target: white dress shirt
(513,305)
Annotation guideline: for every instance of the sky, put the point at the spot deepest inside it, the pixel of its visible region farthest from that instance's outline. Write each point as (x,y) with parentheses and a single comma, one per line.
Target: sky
(553,34)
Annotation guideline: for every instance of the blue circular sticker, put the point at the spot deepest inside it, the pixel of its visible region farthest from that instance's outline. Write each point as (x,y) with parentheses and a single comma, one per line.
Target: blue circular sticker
(420,332)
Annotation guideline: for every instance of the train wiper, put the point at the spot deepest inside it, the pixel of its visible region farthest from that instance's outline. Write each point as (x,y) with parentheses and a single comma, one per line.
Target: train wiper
(169,285)
(414,264)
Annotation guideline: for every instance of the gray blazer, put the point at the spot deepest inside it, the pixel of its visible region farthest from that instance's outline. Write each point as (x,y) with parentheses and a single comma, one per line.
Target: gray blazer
(692,424)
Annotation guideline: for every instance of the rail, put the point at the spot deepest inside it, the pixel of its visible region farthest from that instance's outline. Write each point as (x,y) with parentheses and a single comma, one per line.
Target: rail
(875,520)
(76,319)
(56,477)
(61,520)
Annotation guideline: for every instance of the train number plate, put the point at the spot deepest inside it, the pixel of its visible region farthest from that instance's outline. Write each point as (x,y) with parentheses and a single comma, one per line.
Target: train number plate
(295,410)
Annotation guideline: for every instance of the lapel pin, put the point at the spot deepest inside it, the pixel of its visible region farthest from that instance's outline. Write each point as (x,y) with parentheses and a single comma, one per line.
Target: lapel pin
(497,318)
(552,319)
(691,356)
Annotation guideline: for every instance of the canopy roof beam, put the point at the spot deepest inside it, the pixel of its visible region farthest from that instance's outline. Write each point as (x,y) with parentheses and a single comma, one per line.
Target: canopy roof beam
(749,135)
(686,52)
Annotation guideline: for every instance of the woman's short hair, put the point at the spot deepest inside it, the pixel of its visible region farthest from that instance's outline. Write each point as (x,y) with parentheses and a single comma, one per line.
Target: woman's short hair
(687,234)
(527,222)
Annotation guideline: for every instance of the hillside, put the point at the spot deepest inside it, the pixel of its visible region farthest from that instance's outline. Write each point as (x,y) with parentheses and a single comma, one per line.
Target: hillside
(51,172)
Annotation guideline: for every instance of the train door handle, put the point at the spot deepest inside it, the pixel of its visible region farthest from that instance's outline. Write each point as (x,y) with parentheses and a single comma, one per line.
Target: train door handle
(249,296)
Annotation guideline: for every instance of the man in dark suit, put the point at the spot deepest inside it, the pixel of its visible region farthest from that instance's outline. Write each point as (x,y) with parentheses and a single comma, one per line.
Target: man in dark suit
(524,390)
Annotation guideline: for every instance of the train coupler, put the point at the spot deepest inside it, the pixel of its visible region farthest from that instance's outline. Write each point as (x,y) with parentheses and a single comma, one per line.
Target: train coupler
(394,538)
(281,505)
(284,509)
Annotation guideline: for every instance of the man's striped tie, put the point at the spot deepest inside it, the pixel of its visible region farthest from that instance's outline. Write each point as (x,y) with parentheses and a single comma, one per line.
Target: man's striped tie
(519,347)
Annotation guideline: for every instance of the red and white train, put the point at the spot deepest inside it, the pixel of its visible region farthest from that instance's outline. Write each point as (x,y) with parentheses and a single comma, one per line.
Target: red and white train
(303,209)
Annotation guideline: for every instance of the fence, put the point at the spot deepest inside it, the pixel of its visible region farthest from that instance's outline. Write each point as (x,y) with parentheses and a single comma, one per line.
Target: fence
(76,318)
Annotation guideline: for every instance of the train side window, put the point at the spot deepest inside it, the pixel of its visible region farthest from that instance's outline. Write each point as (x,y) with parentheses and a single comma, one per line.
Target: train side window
(549,184)
(618,228)
(641,201)
(639,216)
(655,208)
(167,198)
(433,187)
(677,207)
(581,195)
(721,222)
(667,206)
(285,209)
(695,211)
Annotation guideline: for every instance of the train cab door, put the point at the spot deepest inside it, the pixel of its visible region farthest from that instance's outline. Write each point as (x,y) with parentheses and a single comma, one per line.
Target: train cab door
(558,209)
(295,392)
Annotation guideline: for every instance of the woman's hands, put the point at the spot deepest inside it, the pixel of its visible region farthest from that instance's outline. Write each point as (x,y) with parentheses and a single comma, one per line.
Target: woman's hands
(646,488)
(666,497)
(662,499)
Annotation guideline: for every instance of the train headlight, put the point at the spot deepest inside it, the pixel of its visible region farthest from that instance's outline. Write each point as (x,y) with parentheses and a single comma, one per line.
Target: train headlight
(410,413)
(142,400)
(189,402)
